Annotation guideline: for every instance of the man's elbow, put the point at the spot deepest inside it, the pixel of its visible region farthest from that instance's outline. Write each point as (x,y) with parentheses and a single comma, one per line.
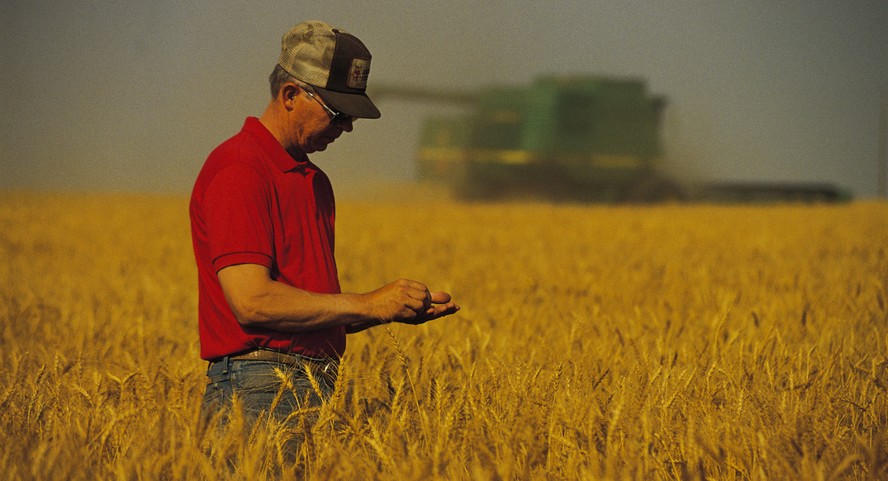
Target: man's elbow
(248,310)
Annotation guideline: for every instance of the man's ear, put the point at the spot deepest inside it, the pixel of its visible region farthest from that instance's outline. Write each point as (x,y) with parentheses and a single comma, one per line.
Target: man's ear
(288,93)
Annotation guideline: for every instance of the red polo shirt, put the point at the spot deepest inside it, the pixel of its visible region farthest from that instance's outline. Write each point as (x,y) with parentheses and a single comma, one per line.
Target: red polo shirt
(255,204)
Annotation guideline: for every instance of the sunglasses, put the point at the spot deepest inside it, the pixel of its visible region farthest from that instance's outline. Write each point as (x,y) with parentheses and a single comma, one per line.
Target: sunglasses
(334,115)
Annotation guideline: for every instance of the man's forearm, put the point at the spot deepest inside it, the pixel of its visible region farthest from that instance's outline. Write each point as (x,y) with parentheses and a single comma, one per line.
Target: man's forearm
(259,301)
(285,308)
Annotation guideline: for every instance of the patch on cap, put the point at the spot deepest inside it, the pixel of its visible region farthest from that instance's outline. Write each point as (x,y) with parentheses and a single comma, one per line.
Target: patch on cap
(360,70)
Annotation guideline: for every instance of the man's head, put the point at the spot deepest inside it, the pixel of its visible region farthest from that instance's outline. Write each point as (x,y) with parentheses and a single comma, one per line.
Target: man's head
(333,62)
(318,87)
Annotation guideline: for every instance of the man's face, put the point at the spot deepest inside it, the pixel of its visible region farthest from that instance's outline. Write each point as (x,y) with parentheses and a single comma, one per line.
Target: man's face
(313,129)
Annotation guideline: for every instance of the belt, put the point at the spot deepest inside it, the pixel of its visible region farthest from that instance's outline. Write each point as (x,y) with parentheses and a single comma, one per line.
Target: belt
(327,368)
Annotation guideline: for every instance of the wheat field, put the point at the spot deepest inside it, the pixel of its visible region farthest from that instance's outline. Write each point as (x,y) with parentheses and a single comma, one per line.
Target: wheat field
(594,342)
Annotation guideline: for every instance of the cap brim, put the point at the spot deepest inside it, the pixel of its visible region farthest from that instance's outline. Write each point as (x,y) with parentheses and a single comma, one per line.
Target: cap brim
(355,105)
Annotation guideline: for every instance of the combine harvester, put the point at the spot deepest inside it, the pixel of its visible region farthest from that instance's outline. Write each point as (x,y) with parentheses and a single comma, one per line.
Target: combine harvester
(578,138)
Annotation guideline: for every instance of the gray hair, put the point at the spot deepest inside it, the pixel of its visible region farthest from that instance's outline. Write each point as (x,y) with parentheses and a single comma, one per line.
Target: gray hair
(279,77)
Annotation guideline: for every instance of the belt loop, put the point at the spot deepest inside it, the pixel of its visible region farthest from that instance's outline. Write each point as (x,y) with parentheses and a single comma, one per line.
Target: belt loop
(226,366)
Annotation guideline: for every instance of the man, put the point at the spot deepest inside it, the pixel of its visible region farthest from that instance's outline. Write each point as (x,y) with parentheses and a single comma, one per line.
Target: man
(272,317)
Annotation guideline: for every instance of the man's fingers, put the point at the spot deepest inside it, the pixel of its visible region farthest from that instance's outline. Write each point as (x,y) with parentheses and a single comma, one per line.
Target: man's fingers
(416,290)
(440,297)
(415,303)
(440,310)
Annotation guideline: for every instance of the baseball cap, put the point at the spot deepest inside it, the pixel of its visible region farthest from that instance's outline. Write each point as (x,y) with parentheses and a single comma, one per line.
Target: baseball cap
(334,62)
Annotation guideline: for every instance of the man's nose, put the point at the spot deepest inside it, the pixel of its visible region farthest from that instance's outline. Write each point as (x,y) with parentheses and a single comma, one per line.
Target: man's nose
(347,124)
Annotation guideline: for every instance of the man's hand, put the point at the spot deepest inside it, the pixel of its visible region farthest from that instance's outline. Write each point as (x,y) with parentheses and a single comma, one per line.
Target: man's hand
(409,302)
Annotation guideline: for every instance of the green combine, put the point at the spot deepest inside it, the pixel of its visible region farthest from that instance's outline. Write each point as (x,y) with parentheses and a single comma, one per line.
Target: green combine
(584,138)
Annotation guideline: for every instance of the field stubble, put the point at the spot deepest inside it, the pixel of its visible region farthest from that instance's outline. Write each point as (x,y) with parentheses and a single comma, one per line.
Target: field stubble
(595,342)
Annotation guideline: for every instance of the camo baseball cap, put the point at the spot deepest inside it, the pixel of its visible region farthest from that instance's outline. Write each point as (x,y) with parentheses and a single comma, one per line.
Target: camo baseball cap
(332,61)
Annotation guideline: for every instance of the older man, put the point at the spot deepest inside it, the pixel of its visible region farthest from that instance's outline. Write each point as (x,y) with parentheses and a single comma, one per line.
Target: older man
(262,218)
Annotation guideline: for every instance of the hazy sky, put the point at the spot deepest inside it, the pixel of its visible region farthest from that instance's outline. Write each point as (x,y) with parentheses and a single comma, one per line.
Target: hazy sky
(124,95)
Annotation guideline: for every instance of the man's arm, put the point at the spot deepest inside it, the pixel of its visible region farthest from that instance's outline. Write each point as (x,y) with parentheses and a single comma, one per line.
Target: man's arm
(259,301)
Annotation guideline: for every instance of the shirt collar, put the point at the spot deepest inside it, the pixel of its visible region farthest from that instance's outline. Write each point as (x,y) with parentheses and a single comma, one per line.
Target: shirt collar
(271,147)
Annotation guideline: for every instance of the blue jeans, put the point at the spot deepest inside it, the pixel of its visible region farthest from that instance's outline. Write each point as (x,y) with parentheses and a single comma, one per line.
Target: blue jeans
(266,387)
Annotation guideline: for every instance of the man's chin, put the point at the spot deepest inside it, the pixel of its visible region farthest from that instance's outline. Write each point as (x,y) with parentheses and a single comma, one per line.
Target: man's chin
(320,146)
(310,149)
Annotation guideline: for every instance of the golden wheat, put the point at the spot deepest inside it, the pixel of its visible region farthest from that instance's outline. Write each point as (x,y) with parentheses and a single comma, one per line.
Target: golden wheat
(595,342)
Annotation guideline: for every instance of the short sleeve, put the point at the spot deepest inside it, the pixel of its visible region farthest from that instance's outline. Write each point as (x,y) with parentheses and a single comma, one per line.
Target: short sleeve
(238,218)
